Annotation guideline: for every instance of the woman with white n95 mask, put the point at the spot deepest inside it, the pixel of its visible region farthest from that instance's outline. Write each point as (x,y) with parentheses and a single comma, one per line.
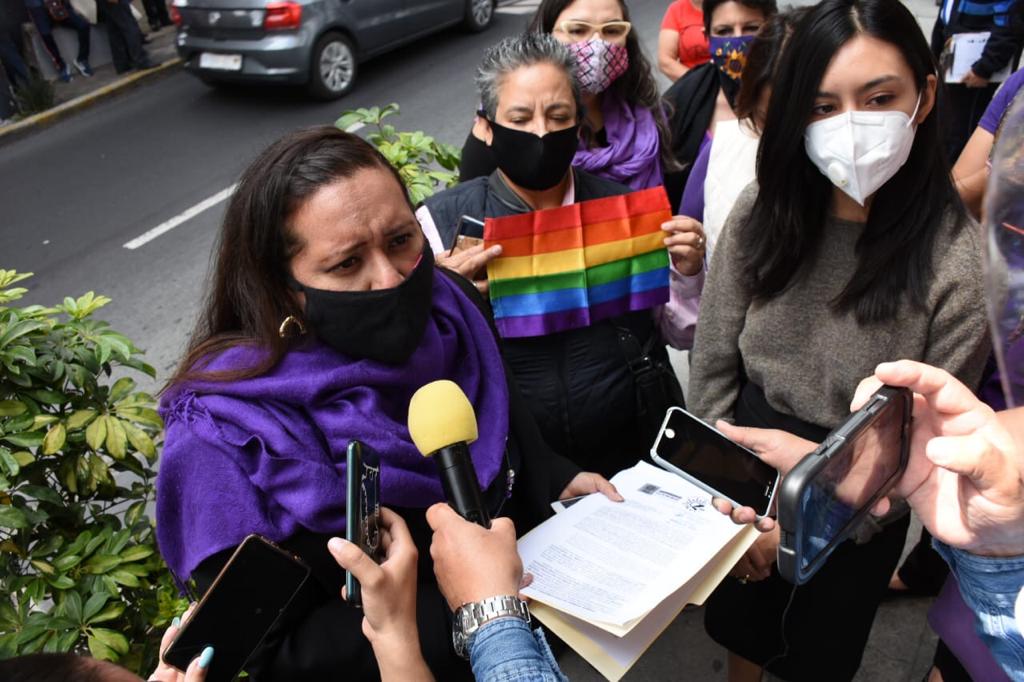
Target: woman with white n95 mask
(851,248)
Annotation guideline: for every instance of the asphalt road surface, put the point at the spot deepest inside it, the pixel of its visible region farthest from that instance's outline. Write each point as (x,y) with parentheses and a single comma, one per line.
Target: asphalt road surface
(73,195)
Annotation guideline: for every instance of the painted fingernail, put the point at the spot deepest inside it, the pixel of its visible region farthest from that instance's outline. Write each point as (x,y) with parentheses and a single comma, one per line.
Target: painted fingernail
(176,622)
(206,657)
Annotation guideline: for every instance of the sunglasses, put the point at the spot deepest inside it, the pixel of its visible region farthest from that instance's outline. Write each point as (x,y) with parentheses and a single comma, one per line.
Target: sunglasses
(582,30)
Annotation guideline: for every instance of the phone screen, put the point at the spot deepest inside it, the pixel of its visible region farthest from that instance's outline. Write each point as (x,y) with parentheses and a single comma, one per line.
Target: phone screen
(726,468)
(239,609)
(850,480)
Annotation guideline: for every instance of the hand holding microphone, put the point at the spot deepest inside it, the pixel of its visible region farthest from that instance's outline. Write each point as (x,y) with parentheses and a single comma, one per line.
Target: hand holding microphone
(442,423)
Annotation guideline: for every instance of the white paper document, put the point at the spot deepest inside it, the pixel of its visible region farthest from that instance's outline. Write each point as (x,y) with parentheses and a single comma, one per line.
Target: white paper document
(612,563)
(966,49)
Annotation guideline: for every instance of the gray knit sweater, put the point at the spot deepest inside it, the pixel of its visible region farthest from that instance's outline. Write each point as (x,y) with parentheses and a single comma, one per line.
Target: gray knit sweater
(809,358)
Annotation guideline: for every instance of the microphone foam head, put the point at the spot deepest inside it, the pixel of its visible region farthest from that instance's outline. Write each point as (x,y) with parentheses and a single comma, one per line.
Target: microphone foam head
(440,415)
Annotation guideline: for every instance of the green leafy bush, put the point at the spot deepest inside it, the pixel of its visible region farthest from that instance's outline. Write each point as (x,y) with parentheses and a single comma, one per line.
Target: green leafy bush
(425,164)
(79,566)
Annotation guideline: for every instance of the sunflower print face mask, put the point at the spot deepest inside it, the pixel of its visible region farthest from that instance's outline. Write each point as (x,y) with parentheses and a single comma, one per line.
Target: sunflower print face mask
(730,54)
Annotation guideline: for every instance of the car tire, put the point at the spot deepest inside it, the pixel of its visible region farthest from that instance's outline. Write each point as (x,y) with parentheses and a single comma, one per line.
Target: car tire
(479,14)
(332,71)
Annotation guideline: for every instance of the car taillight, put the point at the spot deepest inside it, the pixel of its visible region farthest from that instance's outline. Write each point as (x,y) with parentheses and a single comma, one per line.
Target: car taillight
(282,15)
(175,15)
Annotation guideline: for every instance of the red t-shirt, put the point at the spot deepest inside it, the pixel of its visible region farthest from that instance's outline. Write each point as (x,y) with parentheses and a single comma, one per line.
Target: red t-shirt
(688,22)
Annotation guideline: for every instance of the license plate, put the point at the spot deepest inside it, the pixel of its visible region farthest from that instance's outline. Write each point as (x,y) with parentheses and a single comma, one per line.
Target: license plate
(220,62)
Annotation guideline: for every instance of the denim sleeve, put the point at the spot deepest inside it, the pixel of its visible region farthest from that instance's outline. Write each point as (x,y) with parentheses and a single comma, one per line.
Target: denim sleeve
(991,587)
(505,650)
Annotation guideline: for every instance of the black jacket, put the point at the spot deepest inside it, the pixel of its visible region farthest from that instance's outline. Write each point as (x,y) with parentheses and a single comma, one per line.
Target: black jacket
(1003,18)
(320,637)
(578,383)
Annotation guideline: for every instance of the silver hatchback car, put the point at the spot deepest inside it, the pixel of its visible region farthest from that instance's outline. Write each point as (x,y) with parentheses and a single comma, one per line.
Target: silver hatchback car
(313,42)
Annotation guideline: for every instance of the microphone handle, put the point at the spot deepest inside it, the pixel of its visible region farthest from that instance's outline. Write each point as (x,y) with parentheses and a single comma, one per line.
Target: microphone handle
(458,476)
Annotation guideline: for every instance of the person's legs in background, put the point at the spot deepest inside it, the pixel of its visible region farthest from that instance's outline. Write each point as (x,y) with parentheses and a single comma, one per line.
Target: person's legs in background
(965,107)
(42,22)
(13,63)
(156,14)
(125,37)
(83,30)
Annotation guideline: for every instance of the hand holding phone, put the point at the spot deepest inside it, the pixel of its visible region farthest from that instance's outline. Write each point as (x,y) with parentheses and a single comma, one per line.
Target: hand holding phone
(239,609)
(825,497)
(704,456)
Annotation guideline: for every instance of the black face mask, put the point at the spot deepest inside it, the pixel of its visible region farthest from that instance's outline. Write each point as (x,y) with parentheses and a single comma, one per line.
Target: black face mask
(385,325)
(533,162)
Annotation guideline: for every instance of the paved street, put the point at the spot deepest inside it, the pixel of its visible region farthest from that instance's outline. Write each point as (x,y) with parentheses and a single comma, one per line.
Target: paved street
(73,195)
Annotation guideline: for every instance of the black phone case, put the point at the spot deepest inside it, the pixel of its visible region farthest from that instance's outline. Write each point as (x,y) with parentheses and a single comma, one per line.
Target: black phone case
(180,657)
(358,454)
(795,483)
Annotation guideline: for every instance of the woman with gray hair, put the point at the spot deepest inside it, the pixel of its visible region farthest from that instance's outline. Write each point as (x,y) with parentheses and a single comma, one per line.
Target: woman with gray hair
(598,391)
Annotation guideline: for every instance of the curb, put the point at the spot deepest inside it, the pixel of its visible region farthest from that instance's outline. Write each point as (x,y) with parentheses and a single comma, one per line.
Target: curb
(62,111)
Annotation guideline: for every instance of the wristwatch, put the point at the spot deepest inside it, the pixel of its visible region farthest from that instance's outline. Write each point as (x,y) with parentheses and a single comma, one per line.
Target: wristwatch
(471,617)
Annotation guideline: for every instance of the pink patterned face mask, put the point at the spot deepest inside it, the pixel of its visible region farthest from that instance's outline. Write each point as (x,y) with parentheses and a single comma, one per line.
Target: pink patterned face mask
(598,64)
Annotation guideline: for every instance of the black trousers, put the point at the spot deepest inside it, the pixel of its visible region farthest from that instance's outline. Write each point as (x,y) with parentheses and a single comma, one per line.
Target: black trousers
(156,13)
(125,37)
(963,111)
(44,24)
(816,631)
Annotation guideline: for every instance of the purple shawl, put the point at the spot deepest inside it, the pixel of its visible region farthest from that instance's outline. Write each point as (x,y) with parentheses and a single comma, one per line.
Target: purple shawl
(267,455)
(632,155)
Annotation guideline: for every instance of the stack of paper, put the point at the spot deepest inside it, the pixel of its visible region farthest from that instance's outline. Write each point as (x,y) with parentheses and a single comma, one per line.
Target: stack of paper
(609,577)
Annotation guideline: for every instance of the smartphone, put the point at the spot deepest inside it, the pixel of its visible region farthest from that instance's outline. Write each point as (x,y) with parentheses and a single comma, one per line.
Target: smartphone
(362,518)
(706,457)
(240,607)
(466,227)
(828,493)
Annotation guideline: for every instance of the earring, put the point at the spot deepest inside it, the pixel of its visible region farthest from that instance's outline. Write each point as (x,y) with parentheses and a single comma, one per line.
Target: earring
(291,320)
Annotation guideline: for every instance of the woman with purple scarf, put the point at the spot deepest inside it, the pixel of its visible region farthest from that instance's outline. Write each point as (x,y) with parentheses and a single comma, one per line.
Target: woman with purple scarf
(325,314)
(624,137)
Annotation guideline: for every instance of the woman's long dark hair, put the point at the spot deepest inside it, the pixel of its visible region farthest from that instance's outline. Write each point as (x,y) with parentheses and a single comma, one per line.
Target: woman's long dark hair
(248,296)
(783,233)
(637,86)
(763,62)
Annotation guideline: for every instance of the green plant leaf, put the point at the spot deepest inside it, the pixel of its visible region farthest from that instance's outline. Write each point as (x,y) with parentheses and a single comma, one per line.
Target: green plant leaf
(43,567)
(94,605)
(61,582)
(96,433)
(124,577)
(73,606)
(23,458)
(121,388)
(12,518)
(112,639)
(12,408)
(8,463)
(79,419)
(43,494)
(54,440)
(48,397)
(136,552)
(117,439)
(111,612)
(25,440)
(65,563)
(101,563)
(140,440)
(67,641)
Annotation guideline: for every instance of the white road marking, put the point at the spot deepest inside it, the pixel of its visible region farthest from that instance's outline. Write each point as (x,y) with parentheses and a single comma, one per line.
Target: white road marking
(189,214)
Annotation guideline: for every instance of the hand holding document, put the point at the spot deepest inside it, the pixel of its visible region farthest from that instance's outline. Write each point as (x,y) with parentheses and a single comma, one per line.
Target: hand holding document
(616,574)
(964,50)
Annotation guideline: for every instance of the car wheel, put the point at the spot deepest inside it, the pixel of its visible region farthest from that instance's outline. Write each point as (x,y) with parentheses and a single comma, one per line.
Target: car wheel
(333,69)
(479,14)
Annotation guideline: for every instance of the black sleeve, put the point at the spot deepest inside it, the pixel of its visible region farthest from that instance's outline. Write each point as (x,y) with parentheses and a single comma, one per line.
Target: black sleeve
(1004,44)
(477,160)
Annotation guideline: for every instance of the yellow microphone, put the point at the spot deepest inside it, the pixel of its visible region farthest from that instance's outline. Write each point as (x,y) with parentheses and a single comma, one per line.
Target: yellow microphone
(442,423)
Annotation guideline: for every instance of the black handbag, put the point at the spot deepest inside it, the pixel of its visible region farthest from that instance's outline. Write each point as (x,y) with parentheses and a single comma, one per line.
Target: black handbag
(657,387)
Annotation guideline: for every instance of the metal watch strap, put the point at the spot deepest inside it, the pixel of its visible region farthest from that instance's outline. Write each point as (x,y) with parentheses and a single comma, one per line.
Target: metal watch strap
(471,617)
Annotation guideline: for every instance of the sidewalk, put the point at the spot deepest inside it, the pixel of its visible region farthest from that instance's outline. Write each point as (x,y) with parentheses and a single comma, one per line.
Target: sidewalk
(83,92)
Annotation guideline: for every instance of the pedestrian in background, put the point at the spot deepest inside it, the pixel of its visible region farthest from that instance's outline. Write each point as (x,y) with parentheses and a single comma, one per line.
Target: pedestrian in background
(156,14)
(829,265)
(682,42)
(125,37)
(44,14)
(968,98)
(12,14)
(623,137)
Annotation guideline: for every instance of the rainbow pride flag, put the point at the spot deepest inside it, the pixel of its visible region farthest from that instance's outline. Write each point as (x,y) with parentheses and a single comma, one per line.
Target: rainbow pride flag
(568,267)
